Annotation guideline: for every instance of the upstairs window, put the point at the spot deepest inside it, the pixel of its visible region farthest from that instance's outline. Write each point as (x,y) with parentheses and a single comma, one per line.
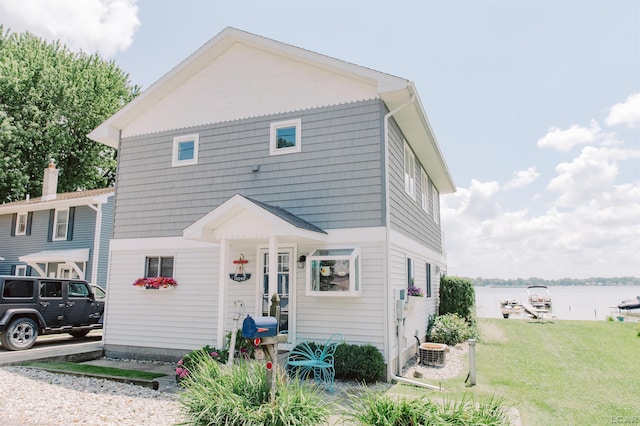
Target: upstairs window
(285,137)
(159,267)
(61,224)
(409,171)
(334,272)
(435,204)
(185,150)
(21,224)
(424,188)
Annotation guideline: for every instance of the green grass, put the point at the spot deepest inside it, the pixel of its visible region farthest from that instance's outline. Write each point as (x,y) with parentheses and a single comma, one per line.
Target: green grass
(95,369)
(565,372)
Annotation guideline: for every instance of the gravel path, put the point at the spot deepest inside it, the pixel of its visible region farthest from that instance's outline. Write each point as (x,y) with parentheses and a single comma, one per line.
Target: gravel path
(33,397)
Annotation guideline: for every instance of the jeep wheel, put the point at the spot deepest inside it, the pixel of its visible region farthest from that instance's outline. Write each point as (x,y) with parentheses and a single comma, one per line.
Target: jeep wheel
(79,333)
(21,334)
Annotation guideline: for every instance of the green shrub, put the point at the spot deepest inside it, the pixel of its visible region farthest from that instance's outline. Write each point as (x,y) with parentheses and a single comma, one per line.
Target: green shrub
(457,297)
(363,363)
(450,329)
(372,409)
(216,394)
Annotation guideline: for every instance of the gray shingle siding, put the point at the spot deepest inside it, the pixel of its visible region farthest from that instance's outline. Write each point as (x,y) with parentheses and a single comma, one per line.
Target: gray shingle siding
(407,215)
(335,182)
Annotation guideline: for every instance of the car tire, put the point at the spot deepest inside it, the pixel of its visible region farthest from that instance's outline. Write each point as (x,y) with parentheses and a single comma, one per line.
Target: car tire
(21,334)
(79,333)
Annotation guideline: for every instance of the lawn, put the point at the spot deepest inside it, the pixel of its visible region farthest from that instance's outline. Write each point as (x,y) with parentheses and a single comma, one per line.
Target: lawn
(95,370)
(564,372)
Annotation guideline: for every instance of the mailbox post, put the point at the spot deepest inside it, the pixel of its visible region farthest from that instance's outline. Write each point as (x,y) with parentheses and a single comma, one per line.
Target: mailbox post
(264,332)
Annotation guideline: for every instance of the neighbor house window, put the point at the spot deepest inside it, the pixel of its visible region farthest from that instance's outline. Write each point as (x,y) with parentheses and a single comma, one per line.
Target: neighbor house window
(285,137)
(61,224)
(21,270)
(424,188)
(334,272)
(21,224)
(185,150)
(409,171)
(428,280)
(159,267)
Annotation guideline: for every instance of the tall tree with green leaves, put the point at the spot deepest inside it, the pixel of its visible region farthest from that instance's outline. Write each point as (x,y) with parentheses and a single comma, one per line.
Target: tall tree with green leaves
(50,99)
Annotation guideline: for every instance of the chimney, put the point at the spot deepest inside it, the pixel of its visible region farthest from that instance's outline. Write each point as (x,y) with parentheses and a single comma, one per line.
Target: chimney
(50,183)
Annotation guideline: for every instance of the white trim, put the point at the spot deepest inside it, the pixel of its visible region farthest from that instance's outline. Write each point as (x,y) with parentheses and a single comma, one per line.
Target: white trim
(175,162)
(222,291)
(273,149)
(54,231)
(20,215)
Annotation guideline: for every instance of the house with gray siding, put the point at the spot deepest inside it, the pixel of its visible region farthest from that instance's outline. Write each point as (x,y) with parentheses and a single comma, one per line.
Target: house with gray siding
(255,167)
(62,235)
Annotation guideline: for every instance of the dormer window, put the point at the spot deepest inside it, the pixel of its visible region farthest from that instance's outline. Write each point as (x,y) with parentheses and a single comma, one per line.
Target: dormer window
(285,137)
(185,150)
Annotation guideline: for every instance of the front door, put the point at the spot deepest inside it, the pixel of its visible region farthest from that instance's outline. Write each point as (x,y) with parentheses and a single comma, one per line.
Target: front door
(285,285)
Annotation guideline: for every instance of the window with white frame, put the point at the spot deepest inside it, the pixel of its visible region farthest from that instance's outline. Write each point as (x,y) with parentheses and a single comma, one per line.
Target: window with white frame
(60,224)
(21,224)
(185,150)
(21,270)
(435,204)
(159,266)
(424,188)
(409,171)
(285,137)
(334,272)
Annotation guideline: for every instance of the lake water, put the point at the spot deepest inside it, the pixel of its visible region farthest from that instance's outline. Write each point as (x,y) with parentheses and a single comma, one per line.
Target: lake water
(569,302)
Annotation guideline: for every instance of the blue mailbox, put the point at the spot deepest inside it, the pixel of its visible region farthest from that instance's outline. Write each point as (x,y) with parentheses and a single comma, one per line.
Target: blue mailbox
(259,327)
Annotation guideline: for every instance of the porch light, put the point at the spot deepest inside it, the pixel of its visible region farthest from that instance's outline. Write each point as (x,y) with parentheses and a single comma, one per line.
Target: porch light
(301,261)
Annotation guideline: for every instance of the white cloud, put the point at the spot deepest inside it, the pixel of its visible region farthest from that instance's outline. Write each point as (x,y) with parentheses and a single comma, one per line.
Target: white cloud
(627,112)
(589,228)
(105,26)
(565,140)
(522,178)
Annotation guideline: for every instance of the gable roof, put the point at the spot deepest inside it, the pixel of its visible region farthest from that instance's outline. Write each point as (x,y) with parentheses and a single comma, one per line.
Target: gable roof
(76,198)
(245,218)
(394,91)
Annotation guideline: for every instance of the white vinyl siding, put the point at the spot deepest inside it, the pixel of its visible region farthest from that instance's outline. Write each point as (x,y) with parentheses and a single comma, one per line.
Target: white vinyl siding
(183,318)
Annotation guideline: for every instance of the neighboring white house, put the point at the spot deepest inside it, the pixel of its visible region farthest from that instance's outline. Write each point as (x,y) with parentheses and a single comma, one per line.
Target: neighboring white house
(253,156)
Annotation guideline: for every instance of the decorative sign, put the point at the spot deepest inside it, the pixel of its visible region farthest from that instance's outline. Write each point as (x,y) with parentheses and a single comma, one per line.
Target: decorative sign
(240,274)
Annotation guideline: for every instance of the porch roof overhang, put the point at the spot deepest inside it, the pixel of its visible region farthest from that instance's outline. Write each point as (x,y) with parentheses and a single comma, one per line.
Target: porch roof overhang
(47,256)
(244,218)
(75,258)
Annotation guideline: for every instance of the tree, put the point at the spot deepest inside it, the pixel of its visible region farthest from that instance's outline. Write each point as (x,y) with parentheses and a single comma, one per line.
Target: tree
(50,99)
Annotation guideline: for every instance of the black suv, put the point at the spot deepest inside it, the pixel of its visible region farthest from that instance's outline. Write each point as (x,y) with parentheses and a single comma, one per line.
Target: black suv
(35,305)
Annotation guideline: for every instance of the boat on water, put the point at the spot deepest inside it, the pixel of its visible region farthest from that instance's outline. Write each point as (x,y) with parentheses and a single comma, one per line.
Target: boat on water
(538,296)
(629,309)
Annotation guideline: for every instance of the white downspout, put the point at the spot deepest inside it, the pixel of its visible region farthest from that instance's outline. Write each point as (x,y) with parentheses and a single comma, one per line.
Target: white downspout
(397,378)
(222,294)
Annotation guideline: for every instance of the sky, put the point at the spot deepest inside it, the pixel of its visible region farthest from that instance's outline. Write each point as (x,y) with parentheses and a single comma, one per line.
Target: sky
(535,105)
